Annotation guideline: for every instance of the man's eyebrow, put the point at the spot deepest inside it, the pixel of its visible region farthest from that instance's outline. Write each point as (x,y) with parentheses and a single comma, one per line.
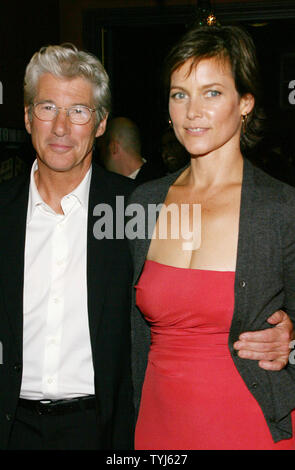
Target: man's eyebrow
(74,104)
(45,101)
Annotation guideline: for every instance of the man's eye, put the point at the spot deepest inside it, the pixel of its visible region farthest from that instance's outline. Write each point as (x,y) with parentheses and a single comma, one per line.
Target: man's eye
(47,107)
(78,110)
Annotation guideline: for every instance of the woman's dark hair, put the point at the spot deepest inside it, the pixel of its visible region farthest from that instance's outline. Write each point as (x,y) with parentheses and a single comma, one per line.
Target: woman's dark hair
(228,43)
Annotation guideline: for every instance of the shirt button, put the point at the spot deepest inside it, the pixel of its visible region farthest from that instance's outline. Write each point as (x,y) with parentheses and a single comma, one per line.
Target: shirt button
(60,262)
(254,385)
(8,417)
(242,283)
(50,380)
(17,367)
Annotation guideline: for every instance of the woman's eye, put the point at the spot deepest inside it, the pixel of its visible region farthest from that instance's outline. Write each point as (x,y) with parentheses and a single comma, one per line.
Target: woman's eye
(179,95)
(213,93)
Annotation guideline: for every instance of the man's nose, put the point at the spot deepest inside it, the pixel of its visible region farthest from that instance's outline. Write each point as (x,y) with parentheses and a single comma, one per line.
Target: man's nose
(61,123)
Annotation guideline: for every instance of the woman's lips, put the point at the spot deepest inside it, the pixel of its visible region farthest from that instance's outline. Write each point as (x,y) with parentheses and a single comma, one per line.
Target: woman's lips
(198,131)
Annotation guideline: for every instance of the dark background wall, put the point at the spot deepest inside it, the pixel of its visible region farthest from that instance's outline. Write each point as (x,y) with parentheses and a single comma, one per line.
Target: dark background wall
(132,37)
(24,28)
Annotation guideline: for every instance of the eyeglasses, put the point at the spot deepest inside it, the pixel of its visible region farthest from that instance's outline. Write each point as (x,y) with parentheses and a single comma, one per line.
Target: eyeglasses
(78,114)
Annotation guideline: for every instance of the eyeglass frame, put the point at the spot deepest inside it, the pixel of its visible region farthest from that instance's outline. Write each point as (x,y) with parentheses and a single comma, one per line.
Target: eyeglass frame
(57,108)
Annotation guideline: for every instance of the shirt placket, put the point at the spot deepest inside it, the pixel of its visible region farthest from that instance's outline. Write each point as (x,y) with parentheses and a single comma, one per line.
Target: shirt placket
(56,309)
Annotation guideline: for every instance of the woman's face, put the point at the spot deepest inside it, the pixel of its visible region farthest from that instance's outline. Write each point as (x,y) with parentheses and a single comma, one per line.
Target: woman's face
(205,107)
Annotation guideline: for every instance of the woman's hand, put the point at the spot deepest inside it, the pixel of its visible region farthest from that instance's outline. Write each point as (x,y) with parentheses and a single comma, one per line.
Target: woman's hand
(271,347)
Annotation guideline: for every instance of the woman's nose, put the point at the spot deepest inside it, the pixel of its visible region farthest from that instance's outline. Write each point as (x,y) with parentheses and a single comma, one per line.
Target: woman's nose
(194,108)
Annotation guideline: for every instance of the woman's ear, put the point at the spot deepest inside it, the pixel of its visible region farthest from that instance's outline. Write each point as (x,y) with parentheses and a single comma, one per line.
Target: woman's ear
(247,103)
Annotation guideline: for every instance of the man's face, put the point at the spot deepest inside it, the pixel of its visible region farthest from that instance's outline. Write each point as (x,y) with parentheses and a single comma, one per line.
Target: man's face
(60,145)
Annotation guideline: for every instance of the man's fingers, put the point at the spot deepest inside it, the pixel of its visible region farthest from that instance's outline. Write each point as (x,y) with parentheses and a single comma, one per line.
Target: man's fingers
(277,317)
(260,347)
(276,365)
(263,356)
(270,335)
(270,347)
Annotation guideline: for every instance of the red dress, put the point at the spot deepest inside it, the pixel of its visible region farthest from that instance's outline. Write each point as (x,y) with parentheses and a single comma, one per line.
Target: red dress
(193,396)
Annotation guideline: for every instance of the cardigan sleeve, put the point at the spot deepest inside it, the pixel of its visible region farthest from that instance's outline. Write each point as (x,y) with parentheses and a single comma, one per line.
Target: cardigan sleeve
(288,252)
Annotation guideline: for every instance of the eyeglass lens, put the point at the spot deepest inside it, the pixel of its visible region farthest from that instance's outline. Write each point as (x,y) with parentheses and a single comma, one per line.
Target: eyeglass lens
(48,112)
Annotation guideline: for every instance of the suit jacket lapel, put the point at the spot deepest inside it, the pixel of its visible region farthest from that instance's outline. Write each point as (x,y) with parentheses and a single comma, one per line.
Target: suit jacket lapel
(99,253)
(13,217)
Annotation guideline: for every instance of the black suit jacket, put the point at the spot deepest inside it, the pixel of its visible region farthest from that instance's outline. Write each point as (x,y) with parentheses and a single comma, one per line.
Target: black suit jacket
(109,274)
(149,171)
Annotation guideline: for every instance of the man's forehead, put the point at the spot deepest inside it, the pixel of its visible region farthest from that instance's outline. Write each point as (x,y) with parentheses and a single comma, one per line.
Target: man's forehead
(53,87)
(51,80)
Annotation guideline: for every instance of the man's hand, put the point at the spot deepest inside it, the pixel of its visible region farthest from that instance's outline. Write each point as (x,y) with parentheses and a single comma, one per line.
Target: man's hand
(271,346)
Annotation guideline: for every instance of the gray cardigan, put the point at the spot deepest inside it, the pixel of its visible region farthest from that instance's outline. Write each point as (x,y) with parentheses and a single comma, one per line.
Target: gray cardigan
(264,282)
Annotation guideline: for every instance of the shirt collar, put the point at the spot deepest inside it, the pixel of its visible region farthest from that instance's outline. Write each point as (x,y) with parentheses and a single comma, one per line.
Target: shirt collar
(135,173)
(81,193)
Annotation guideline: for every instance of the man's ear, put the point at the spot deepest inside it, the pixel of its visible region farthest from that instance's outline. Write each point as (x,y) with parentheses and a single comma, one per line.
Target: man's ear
(27,120)
(114,147)
(101,126)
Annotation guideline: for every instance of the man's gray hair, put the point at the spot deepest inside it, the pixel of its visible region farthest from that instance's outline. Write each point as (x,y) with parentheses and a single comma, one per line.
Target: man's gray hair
(66,61)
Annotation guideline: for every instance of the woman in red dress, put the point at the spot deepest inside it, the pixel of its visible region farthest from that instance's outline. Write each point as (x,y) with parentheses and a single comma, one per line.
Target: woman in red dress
(195,296)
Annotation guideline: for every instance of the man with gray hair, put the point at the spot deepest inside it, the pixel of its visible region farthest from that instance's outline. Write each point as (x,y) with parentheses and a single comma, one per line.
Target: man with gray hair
(64,295)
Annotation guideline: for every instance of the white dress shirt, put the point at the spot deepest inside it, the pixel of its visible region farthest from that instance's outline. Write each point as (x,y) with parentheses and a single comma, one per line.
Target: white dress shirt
(57,359)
